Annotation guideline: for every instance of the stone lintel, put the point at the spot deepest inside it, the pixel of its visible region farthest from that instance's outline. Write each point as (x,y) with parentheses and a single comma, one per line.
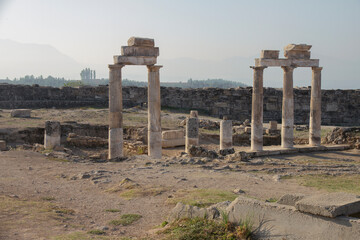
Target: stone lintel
(259,62)
(154,68)
(139,51)
(144,42)
(134,60)
(258,67)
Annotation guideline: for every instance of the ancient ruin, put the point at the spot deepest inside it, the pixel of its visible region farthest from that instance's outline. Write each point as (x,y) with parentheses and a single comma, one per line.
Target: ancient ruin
(140,51)
(295,56)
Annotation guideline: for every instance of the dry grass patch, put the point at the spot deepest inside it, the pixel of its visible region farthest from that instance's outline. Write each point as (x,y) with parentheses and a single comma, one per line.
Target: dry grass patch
(341,183)
(201,197)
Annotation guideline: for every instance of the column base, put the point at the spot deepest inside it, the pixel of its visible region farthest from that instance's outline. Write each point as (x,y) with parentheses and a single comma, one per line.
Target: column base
(154,145)
(115,143)
(189,142)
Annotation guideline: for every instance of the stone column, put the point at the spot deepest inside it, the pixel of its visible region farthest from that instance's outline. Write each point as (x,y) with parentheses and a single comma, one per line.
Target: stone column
(115,112)
(192,131)
(315,108)
(287,124)
(52,134)
(257,110)
(225,134)
(154,111)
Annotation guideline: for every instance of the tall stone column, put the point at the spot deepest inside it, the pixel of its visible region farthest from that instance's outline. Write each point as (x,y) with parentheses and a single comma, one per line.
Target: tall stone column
(257,110)
(225,134)
(115,112)
(154,111)
(192,131)
(52,134)
(287,124)
(315,108)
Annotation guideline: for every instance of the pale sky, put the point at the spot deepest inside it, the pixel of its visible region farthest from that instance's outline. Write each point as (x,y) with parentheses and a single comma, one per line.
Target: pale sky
(205,32)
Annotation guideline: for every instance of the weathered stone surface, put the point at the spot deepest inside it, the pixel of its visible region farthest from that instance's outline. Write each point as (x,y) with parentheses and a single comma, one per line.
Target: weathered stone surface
(297,47)
(173,134)
(297,55)
(187,211)
(192,127)
(277,221)
(330,204)
(52,134)
(239,101)
(169,143)
(21,113)
(290,199)
(140,51)
(270,54)
(138,41)
(86,141)
(273,125)
(2,145)
(133,60)
(197,151)
(225,134)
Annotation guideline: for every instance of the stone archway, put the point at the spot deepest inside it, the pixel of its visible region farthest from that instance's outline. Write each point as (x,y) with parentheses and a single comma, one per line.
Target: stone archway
(140,51)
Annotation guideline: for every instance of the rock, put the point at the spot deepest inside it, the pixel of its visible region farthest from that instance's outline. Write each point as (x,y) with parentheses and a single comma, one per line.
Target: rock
(290,199)
(238,191)
(187,211)
(3,145)
(330,204)
(197,151)
(21,113)
(224,152)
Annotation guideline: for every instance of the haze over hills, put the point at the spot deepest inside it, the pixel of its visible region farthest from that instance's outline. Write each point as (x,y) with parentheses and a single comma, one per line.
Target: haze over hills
(20,59)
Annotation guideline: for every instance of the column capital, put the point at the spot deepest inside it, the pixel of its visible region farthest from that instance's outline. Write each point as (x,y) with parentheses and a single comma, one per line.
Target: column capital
(258,67)
(154,68)
(116,66)
(316,69)
(288,68)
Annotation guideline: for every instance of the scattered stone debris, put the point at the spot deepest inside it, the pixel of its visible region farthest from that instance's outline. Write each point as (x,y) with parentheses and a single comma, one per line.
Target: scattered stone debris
(85,141)
(290,199)
(344,135)
(224,152)
(197,151)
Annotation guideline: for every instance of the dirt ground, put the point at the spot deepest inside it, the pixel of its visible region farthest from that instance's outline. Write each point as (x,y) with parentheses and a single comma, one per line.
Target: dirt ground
(44,197)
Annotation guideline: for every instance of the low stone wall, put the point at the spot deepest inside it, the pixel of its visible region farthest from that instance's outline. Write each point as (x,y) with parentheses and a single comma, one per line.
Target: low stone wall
(339,107)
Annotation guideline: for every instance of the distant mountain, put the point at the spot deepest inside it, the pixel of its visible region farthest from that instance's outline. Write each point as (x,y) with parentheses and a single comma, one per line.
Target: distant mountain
(20,59)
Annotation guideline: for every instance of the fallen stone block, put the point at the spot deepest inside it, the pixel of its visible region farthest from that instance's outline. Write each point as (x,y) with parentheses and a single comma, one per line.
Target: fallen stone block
(3,145)
(21,113)
(290,199)
(144,42)
(168,143)
(330,204)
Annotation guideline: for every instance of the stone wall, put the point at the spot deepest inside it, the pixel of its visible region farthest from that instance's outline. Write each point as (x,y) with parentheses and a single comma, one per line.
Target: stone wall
(339,107)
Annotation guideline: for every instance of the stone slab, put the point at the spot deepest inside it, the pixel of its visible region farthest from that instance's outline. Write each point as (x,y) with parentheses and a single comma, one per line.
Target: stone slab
(21,113)
(270,54)
(134,60)
(2,145)
(273,125)
(139,51)
(261,62)
(168,143)
(330,204)
(297,47)
(137,41)
(290,199)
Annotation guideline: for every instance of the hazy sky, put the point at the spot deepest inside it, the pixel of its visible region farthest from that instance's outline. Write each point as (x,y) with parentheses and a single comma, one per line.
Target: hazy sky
(203,31)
